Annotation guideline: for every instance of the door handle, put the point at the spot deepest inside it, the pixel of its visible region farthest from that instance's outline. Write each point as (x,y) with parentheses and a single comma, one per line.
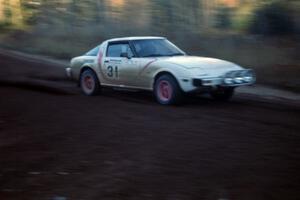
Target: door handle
(106,61)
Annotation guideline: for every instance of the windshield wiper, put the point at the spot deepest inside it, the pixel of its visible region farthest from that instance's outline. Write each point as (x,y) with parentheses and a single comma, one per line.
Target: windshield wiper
(161,55)
(154,55)
(175,54)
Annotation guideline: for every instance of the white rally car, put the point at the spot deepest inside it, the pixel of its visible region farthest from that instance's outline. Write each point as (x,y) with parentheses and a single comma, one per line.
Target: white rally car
(155,64)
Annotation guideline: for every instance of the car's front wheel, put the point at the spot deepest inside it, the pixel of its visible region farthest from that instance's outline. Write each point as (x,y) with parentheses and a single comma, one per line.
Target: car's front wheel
(167,90)
(89,83)
(222,93)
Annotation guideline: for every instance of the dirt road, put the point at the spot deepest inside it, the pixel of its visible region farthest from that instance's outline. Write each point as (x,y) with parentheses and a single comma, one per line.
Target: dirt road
(56,144)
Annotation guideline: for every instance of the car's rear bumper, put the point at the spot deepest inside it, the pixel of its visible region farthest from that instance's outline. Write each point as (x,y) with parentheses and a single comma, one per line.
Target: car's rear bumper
(69,72)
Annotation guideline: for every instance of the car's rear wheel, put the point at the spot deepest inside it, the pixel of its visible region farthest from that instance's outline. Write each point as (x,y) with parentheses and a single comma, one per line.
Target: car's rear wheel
(222,93)
(89,83)
(167,90)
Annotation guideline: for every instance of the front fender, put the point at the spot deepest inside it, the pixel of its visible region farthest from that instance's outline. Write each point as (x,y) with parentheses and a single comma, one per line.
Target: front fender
(182,75)
(183,78)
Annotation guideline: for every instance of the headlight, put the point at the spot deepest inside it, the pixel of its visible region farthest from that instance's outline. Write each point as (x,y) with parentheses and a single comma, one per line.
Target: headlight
(228,81)
(248,79)
(238,80)
(239,77)
(249,76)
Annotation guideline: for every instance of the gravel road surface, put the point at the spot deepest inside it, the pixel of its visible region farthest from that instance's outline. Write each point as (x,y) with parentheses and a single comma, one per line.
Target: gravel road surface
(56,144)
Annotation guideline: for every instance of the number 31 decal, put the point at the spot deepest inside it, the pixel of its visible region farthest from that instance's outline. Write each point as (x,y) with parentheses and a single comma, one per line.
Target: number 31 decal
(112,71)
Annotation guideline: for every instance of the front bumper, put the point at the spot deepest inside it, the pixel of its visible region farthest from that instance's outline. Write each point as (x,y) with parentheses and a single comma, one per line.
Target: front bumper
(230,79)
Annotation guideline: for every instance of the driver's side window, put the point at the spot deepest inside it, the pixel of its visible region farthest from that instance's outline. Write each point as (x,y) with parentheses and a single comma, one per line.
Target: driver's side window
(116,49)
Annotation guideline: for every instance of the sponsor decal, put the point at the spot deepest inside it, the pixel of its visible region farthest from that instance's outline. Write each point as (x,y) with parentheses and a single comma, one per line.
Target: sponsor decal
(100,58)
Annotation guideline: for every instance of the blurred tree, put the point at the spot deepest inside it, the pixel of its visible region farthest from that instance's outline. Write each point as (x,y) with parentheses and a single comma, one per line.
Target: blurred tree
(158,17)
(272,19)
(100,11)
(223,17)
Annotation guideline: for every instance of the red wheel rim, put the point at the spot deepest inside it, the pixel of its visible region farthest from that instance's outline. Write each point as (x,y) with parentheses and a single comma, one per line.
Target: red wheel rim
(164,90)
(88,82)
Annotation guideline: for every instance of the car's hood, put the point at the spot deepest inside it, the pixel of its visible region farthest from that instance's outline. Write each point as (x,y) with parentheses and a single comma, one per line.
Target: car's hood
(202,63)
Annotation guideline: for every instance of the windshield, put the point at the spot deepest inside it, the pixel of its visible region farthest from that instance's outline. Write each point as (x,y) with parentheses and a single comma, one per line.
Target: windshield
(156,48)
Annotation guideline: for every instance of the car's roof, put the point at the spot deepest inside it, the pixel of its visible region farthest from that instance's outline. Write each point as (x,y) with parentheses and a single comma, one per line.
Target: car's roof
(134,38)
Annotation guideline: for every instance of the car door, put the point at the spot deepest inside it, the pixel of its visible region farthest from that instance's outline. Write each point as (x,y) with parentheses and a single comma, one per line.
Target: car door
(120,70)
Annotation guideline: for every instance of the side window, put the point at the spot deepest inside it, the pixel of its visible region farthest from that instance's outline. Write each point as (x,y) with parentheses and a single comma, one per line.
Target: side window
(115,50)
(93,52)
(126,49)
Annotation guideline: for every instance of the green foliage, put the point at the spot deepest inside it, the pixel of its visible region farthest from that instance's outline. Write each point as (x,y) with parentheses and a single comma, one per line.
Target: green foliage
(4,26)
(7,13)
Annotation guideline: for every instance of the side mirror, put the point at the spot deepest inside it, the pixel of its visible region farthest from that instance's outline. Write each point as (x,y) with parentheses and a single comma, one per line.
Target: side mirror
(125,55)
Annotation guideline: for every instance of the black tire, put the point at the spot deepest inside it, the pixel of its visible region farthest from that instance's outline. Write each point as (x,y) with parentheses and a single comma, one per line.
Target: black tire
(175,94)
(222,93)
(89,83)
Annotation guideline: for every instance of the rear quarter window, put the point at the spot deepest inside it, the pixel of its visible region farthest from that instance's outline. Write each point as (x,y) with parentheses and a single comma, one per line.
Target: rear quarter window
(93,52)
